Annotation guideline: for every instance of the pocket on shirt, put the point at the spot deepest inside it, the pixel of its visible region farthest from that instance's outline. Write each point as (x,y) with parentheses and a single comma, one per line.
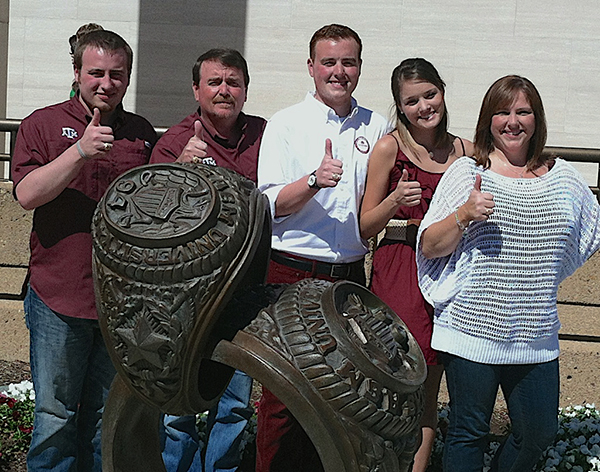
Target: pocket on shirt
(127,155)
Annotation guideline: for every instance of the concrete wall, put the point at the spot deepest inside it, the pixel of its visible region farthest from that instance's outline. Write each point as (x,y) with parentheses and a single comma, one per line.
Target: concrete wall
(171,37)
(4,13)
(472,42)
(39,66)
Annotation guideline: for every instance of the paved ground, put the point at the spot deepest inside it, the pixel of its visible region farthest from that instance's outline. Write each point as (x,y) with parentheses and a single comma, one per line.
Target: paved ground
(579,309)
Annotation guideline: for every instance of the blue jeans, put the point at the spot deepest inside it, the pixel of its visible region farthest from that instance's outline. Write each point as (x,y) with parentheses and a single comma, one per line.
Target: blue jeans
(531,393)
(72,374)
(182,450)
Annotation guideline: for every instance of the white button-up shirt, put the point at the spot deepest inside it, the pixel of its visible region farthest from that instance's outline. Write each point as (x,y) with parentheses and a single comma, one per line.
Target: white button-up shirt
(293,146)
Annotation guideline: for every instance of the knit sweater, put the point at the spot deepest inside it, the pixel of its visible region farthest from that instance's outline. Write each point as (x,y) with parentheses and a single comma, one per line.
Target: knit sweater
(495,295)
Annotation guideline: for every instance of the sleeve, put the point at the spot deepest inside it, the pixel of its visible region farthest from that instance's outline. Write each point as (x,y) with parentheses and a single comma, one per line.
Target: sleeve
(152,136)
(273,155)
(30,151)
(165,150)
(584,220)
(589,238)
(440,279)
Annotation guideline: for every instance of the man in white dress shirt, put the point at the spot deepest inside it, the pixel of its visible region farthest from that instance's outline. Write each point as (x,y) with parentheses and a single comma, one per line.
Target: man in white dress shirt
(312,165)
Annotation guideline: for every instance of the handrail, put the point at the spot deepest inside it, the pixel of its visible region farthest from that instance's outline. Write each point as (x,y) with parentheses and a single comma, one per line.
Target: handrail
(585,155)
(8,125)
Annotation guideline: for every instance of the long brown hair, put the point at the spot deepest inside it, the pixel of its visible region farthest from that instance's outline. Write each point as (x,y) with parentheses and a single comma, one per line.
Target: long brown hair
(419,69)
(501,95)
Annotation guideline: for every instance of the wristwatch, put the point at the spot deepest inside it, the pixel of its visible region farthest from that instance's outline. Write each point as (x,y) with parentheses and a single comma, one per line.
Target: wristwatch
(312,180)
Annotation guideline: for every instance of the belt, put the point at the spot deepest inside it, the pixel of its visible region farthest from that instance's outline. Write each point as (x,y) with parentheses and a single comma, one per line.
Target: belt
(399,230)
(336,271)
(404,231)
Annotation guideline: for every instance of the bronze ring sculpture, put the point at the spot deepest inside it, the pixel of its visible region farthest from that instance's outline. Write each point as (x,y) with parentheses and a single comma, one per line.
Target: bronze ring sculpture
(180,256)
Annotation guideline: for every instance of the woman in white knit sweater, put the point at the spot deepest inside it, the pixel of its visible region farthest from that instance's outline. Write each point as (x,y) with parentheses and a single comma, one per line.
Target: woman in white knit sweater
(503,230)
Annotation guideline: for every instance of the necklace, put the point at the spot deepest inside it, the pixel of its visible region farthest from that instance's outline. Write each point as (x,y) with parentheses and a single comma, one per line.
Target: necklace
(520,174)
(446,152)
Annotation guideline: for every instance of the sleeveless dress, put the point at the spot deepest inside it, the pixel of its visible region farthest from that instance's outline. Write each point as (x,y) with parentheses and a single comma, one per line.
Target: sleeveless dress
(394,272)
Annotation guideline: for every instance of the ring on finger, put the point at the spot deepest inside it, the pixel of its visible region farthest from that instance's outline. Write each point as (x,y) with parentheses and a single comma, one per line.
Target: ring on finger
(488,211)
(336,177)
(196,160)
(107,146)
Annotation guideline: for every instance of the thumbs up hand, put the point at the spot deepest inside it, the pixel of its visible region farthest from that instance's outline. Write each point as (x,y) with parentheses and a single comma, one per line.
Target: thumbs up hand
(407,192)
(330,171)
(480,205)
(97,140)
(195,149)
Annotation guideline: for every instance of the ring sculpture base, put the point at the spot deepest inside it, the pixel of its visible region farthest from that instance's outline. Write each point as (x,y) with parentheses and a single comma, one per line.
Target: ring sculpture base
(180,256)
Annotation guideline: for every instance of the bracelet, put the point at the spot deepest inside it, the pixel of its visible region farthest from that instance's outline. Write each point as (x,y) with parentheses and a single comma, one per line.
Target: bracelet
(83,155)
(462,227)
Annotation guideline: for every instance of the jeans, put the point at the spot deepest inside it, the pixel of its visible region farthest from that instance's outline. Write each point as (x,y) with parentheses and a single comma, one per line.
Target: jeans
(531,393)
(72,374)
(182,449)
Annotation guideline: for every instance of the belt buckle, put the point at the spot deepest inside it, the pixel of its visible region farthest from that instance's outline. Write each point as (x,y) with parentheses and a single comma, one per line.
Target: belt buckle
(339,271)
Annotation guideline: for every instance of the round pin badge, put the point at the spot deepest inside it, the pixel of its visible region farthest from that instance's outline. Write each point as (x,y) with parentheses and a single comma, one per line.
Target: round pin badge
(362,144)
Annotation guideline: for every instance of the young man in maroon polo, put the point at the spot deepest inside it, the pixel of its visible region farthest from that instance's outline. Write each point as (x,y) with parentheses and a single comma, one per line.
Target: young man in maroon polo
(65,157)
(217,133)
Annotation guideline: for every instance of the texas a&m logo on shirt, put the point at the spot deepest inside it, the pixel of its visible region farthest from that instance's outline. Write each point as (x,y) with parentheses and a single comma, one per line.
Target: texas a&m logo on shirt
(69,133)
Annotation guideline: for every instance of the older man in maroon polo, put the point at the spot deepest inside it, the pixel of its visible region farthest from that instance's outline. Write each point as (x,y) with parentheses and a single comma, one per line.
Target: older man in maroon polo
(217,133)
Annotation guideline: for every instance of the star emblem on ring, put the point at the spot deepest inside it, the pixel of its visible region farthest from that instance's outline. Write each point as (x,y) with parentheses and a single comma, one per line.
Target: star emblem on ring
(142,343)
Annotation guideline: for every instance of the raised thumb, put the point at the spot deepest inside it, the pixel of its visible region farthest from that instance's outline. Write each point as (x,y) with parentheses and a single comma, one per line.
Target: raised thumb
(328,152)
(404,177)
(477,185)
(95,118)
(198,130)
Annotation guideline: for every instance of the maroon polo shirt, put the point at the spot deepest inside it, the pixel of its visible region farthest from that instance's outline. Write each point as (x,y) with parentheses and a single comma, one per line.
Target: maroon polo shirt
(241,157)
(60,267)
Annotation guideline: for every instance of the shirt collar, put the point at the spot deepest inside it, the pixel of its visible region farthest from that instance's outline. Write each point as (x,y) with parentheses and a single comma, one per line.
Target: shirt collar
(118,117)
(241,122)
(329,113)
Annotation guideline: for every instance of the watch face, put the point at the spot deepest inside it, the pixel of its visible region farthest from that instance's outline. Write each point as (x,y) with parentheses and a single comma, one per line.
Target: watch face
(312,181)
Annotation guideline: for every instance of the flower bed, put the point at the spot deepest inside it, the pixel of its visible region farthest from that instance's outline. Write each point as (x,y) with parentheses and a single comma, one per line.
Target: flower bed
(16,421)
(576,449)
(577,445)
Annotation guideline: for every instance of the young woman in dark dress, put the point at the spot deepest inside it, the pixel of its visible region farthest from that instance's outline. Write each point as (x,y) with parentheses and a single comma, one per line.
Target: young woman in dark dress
(404,170)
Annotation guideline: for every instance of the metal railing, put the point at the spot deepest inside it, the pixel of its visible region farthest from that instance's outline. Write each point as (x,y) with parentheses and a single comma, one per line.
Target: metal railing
(11,127)
(585,155)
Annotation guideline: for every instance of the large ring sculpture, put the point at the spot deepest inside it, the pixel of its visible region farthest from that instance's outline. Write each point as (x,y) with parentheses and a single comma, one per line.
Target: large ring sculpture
(180,255)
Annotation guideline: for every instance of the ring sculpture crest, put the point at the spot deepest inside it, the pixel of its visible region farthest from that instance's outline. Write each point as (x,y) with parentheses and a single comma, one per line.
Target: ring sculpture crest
(180,254)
